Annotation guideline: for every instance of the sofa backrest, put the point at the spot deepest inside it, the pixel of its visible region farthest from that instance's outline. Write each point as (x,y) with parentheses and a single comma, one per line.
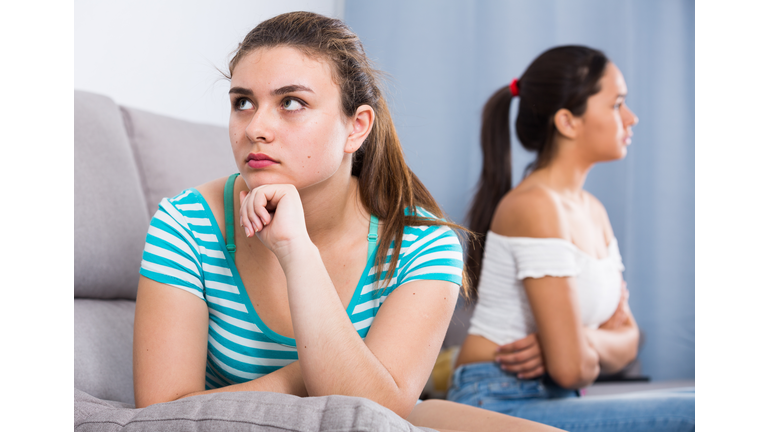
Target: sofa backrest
(126,161)
(110,207)
(172,155)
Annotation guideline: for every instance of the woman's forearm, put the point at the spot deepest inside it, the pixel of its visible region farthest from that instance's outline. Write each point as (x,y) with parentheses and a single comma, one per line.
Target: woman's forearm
(574,365)
(334,358)
(287,380)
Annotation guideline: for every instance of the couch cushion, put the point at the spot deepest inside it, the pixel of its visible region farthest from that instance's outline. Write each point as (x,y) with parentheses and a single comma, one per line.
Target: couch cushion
(87,405)
(111,217)
(104,348)
(173,154)
(240,411)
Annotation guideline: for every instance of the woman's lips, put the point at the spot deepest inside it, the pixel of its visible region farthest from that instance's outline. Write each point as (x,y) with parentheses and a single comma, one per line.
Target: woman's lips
(259,160)
(627,139)
(253,163)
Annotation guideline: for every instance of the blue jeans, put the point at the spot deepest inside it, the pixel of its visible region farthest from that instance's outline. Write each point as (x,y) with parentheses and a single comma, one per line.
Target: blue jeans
(485,385)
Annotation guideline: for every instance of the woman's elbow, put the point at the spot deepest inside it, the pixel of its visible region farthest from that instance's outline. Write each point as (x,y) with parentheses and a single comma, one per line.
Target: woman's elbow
(576,375)
(632,352)
(635,346)
(402,408)
(399,405)
(398,401)
(622,358)
(572,380)
(144,400)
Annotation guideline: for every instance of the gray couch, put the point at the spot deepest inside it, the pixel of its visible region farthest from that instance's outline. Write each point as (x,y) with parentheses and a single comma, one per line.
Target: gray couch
(126,160)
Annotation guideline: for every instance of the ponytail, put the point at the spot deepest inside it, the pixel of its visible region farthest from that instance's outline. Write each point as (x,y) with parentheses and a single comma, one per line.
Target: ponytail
(495,179)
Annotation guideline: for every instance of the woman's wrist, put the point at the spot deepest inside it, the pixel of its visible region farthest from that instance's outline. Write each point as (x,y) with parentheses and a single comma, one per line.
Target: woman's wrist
(295,252)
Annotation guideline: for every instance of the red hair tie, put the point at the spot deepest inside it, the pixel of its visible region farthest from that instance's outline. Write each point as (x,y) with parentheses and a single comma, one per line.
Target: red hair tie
(513,88)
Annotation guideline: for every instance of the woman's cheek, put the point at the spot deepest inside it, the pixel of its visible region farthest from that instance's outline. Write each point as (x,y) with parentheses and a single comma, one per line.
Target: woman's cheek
(235,132)
(618,124)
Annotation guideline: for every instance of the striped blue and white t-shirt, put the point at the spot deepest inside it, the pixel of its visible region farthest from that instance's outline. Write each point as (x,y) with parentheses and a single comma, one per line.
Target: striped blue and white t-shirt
(185,249)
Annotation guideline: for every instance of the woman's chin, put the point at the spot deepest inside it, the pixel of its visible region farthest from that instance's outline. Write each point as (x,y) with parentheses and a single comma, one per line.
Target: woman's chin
(621,152)
(255,178)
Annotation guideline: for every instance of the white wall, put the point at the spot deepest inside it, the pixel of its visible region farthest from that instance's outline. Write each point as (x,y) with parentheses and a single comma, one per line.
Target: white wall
(161,56)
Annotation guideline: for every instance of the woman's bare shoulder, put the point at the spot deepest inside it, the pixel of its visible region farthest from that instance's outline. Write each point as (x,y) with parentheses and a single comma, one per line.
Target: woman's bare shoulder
(213,192)
(213,188)
(530,211)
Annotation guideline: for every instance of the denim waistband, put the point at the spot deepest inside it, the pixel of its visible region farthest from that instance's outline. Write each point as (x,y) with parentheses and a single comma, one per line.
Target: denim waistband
(474,373)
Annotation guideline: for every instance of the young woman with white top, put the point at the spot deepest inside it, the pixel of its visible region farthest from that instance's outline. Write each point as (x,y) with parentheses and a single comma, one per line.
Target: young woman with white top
(552,309)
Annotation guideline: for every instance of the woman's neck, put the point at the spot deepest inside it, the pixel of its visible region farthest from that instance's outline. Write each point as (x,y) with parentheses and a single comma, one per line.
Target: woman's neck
(332,208)
(565,174)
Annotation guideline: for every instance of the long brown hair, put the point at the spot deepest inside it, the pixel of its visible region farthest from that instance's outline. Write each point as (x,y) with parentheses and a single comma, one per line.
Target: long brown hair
(561,77)
(387,186)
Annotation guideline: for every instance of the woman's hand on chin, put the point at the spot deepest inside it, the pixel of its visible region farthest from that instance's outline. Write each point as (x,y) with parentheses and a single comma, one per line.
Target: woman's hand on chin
(275,215)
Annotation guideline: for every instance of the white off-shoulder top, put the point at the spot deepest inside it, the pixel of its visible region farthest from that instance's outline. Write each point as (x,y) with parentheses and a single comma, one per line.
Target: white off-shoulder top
(502,313)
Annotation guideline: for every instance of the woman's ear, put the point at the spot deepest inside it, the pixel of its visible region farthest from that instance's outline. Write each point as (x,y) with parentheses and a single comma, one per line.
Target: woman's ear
(566,123)
(362,124)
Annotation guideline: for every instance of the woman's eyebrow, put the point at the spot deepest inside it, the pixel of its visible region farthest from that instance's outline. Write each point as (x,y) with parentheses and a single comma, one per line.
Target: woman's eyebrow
(240,90)
(290,89)
(277,92)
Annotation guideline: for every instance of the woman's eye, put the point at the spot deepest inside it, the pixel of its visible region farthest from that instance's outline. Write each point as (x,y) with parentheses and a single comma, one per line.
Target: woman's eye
(291,105)
(243,104)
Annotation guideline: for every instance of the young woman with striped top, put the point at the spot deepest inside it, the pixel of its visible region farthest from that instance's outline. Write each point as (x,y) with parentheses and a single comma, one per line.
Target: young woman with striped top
(324,266)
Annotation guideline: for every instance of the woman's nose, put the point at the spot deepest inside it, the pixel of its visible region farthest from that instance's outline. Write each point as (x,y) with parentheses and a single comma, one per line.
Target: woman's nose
(630,118)
(260,128)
